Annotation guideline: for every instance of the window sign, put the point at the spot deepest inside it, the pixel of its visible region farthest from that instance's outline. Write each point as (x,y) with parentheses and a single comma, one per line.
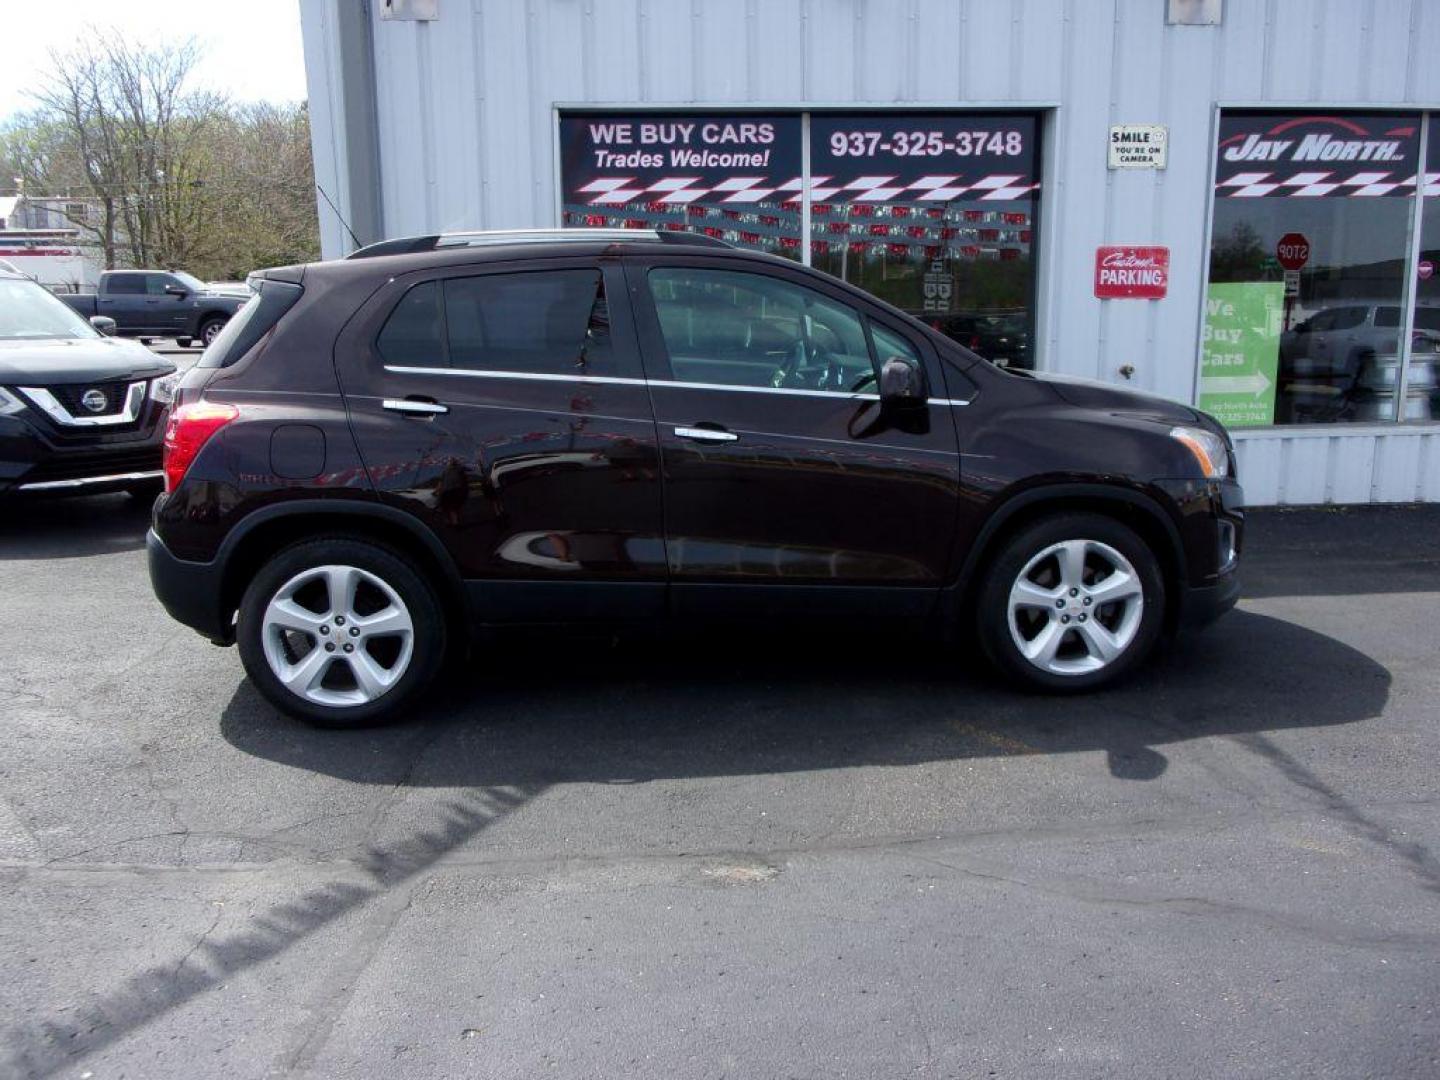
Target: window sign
(1241,344)
(733,176)
(934,212)
(1309,252)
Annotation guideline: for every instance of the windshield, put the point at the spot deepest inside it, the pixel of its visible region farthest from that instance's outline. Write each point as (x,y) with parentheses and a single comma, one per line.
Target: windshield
(190,281)
(28,310)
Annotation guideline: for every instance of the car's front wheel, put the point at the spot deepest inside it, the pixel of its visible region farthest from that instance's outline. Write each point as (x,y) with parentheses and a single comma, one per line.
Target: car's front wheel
(1072,602)
(340,632)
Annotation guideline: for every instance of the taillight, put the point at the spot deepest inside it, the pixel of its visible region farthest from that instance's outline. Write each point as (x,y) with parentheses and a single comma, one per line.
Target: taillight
(189,429)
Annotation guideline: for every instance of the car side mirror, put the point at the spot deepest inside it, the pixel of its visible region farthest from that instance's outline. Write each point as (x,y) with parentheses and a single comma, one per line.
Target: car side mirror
(902,383)
(177,290)
(104,324)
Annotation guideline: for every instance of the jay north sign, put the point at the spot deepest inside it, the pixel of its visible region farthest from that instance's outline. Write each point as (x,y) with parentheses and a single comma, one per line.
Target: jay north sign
(1284,154)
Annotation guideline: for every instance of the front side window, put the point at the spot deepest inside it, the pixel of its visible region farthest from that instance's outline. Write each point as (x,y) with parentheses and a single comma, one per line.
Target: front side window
(740,329)
(1308,256)
(547,322)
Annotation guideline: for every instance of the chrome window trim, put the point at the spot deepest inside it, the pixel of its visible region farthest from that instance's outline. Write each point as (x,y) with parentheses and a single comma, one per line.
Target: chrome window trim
(50,405)
(477,373)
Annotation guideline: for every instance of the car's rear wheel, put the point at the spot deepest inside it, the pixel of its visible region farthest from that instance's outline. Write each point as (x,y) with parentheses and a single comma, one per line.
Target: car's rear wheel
(340,632)
(1072,602)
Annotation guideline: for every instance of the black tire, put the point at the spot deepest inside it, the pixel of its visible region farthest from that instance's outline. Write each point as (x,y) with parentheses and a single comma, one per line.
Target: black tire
(183,342)
(146,340)
(992,616)
(417,593)
(209,328)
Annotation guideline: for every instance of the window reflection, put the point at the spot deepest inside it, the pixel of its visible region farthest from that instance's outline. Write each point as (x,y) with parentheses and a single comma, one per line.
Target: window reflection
(1317,340)
(934,213)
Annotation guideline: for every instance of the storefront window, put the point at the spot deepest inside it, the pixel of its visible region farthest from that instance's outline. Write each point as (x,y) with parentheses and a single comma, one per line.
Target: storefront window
(1308,254)
(934,213)
(733,176)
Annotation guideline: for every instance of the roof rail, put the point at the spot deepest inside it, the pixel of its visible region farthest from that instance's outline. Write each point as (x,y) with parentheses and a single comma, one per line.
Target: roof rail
(494,237)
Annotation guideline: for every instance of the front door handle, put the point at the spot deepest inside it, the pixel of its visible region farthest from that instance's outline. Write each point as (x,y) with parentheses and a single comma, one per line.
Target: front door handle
(415,408)
(701,434)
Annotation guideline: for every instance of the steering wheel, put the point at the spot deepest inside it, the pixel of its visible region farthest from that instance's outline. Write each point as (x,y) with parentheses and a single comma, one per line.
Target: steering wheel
(790,367)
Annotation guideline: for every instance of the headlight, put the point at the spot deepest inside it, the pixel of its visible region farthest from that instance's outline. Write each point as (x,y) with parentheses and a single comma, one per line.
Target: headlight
(10,405)
(1207,447)
(163,388)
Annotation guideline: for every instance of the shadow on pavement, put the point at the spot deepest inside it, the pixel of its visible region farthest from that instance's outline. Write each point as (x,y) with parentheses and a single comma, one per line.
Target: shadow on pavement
(565,710)
(55,527)
(55,1043)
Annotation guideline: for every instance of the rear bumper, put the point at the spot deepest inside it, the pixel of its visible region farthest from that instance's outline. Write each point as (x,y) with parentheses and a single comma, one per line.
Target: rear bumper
(189,591)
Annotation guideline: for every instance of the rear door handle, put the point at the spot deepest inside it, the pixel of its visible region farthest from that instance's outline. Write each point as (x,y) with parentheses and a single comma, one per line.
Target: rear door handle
(701,434)
(414,408)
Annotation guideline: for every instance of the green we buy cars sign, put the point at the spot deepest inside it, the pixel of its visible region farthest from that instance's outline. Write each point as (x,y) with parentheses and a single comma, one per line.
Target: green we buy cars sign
(1242,351)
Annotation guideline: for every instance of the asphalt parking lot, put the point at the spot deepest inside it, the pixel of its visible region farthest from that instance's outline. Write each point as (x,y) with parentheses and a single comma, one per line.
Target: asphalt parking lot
(807,854)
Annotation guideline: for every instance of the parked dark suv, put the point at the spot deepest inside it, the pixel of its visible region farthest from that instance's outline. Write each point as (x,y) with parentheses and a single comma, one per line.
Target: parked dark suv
(79,411)
(382,453)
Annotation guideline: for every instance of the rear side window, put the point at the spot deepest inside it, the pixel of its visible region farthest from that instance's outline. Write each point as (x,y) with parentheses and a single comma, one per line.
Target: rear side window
(545,322)
(252,322)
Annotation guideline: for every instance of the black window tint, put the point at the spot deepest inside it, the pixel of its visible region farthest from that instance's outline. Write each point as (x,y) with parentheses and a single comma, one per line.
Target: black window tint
(155,283)
(1387,316)
(411,337)
(743,329)
(125,284)
(1427,318)
(550,322)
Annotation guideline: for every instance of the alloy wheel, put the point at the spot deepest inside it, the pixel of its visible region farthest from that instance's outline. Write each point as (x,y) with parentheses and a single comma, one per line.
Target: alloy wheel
(337,635)
(1075,607)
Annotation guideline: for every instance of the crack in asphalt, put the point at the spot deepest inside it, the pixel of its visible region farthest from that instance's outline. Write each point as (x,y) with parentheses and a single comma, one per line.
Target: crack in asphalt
(1331,934)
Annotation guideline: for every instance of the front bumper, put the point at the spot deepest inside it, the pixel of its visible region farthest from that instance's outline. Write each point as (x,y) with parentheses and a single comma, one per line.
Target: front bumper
(1212,535)
(1202,605)
(190,591)
(34,461)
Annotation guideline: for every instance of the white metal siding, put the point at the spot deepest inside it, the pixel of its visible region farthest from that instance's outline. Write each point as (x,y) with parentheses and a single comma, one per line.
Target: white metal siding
(466,104)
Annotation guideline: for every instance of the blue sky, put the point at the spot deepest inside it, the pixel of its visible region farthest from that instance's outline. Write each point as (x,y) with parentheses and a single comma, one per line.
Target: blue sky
(252,47)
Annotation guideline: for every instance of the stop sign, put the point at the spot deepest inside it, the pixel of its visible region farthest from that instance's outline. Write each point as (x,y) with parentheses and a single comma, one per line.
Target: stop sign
(1293,251)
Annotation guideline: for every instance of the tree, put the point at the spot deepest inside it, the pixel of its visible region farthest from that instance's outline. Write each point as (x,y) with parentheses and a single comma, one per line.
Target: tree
(178,177)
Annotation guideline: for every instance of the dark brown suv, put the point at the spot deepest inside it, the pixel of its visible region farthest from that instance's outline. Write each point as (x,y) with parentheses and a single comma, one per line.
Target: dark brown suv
(380,454)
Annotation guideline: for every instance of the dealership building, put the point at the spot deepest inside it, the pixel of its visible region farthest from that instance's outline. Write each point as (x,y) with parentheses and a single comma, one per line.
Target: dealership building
(1234,203)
